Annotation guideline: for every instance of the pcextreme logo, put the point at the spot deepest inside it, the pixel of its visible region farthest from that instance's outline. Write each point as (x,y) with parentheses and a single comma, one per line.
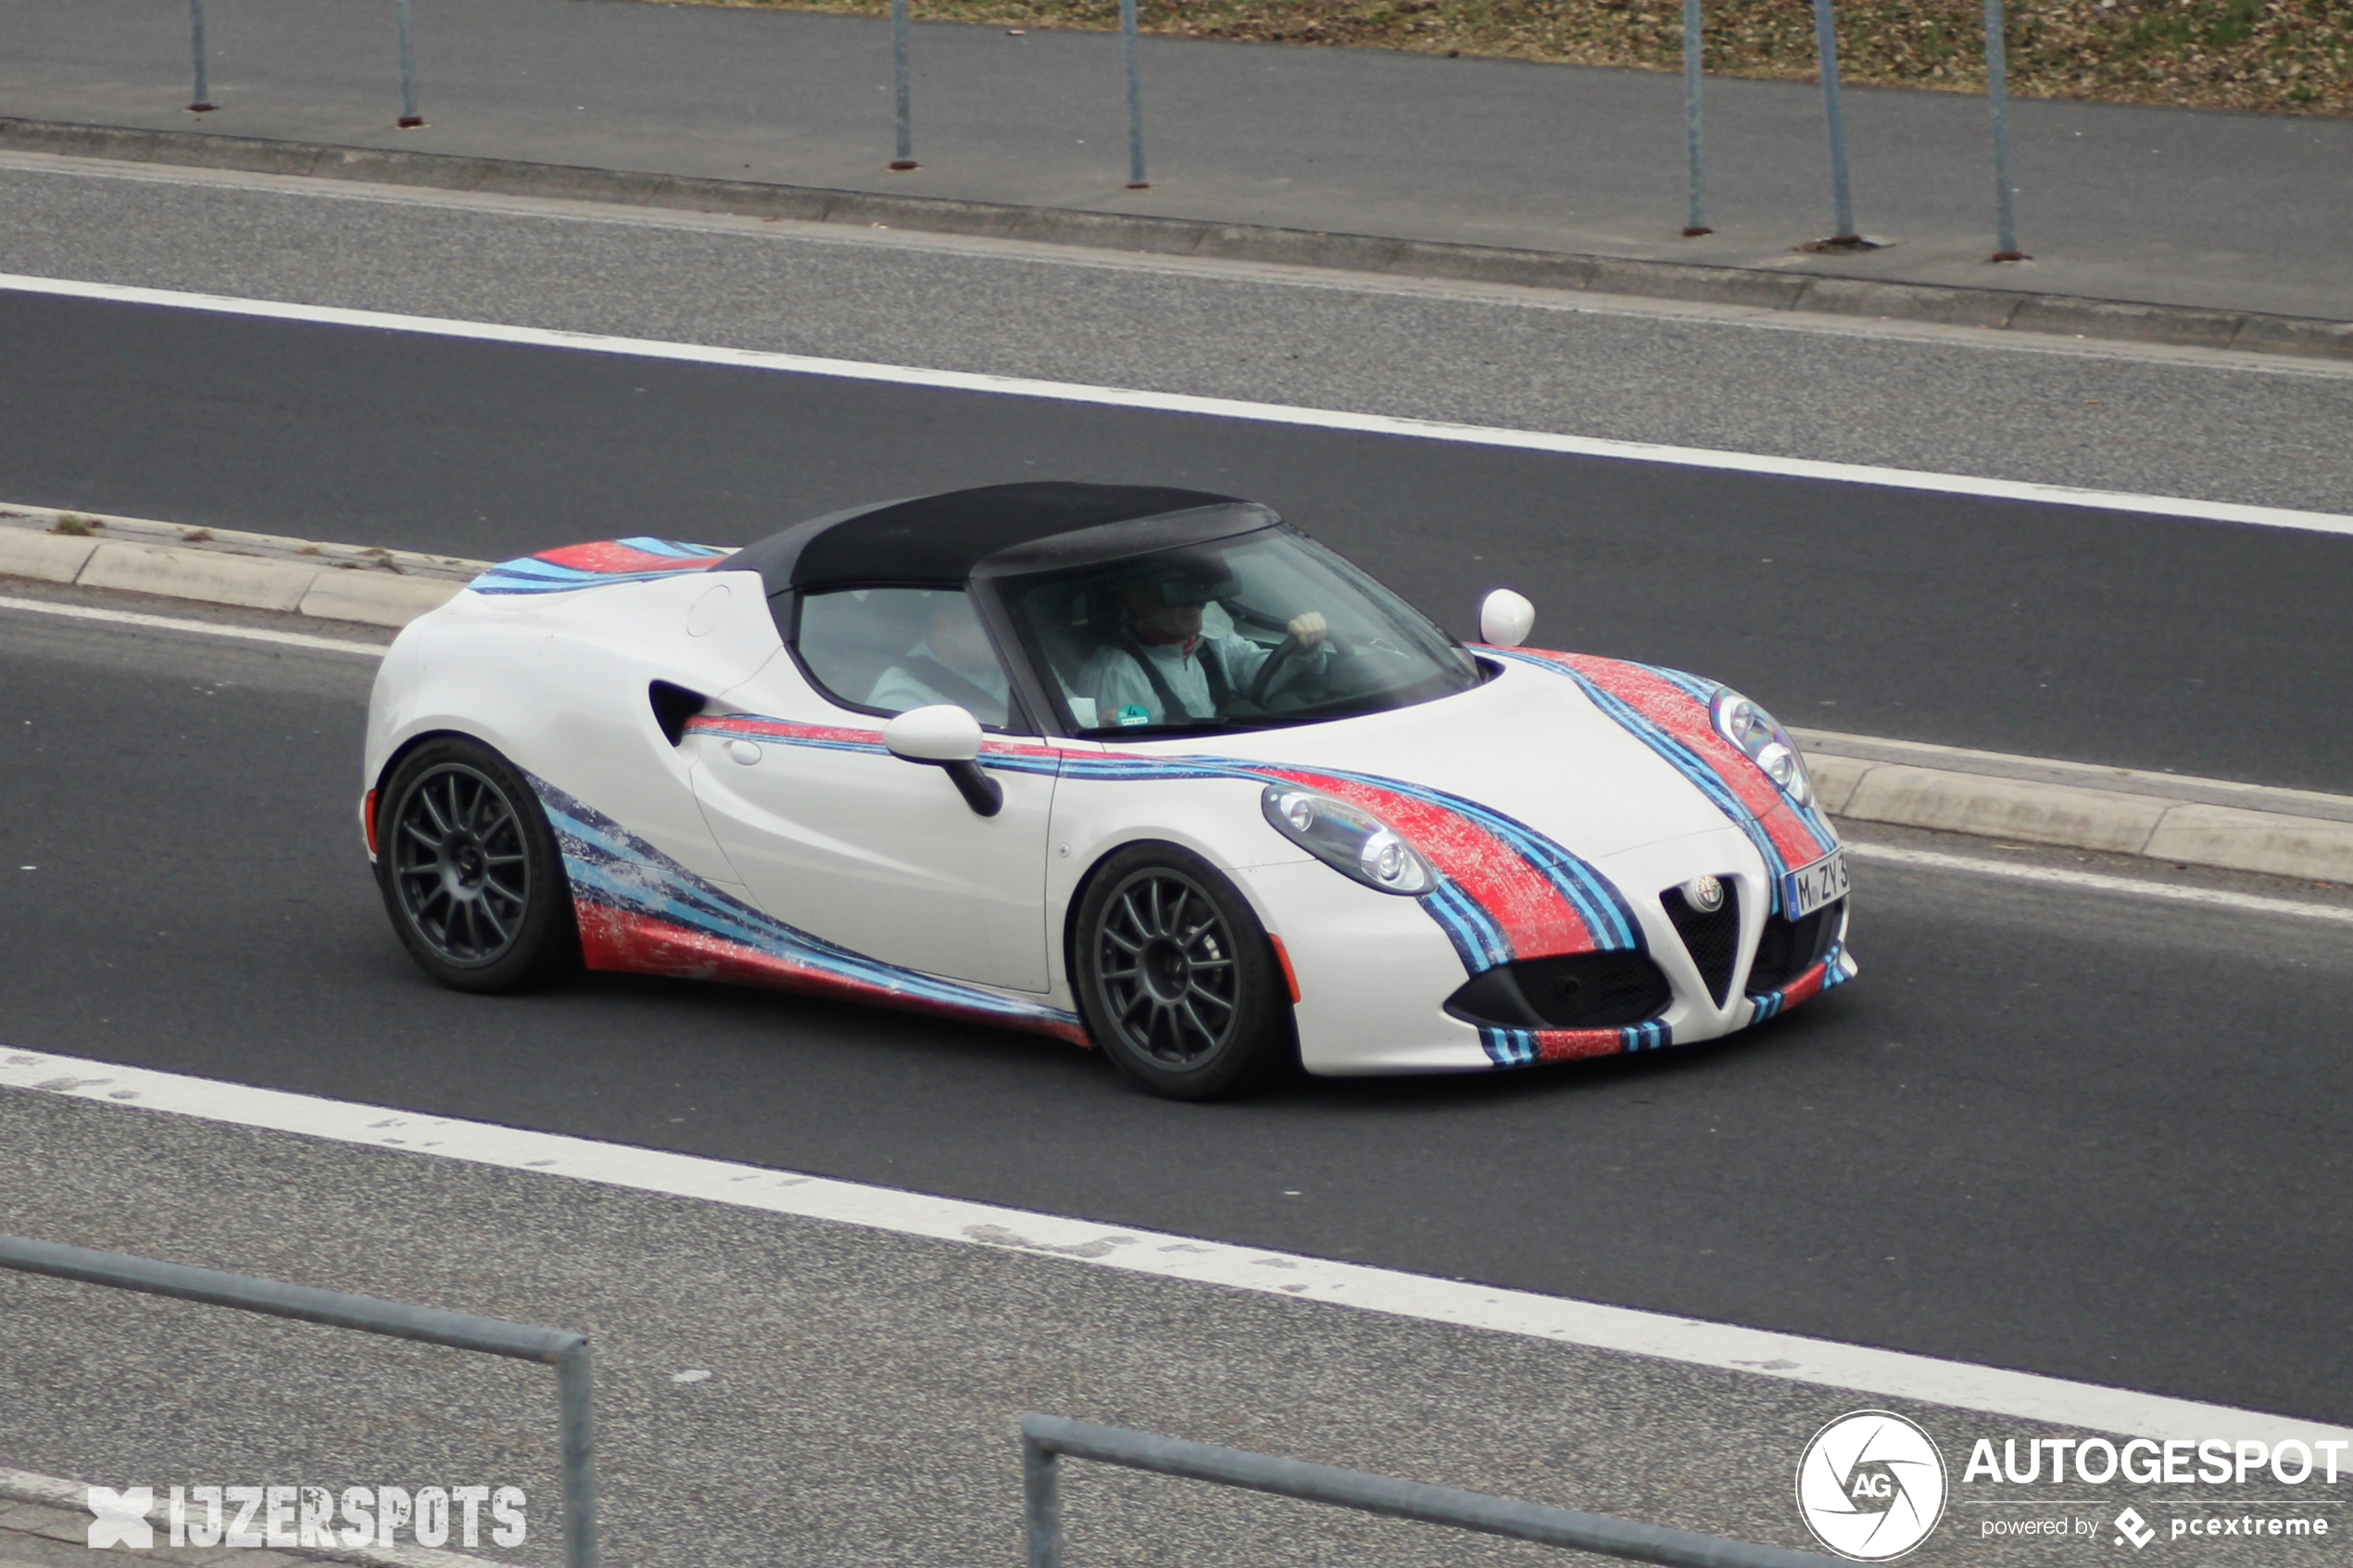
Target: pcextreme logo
(1871,1485)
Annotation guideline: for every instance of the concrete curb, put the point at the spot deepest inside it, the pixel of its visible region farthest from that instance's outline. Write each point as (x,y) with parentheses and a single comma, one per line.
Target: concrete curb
(256,570)
(57,1510)
(2210,823)
(2006,309)
(2213,822)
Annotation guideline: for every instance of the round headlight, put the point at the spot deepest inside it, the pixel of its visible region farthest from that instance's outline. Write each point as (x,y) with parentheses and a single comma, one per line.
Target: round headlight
(1348,838)
(1763,741)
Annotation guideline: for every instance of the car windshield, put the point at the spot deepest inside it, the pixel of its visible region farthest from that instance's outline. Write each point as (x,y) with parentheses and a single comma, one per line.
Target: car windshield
(1261,628)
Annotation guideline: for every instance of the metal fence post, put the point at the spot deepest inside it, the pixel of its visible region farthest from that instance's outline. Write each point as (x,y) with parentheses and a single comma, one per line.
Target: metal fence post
(905,156)
(573,1398)
(202,102)
(1997,96)
(410,117)
(1127,29)
(560,1348)
(1696,224)
(1044,1437)
(1834,121)
(1041,1501)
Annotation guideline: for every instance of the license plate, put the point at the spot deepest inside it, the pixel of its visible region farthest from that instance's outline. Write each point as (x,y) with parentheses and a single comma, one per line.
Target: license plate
(1810,887)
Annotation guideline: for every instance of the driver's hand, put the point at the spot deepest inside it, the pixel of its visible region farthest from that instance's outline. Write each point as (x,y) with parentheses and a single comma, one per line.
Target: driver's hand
(1308,630)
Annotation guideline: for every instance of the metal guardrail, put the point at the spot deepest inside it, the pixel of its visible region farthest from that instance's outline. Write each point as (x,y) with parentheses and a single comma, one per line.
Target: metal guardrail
(1695,216)
(1045,1439)
(564,1351)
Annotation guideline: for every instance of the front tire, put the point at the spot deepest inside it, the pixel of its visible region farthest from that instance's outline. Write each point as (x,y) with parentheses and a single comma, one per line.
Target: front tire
(470,870)
(1175,976)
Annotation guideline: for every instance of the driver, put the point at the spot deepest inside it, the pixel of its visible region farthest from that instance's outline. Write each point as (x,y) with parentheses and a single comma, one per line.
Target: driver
(1158,668)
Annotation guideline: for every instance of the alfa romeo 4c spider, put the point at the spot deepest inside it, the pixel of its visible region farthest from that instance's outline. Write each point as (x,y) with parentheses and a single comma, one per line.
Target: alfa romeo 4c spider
(1142,769)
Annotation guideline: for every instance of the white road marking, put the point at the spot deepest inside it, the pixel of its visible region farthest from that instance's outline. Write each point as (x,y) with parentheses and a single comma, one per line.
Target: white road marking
(208,628)
(1581,302)
(1887,1373)
(2096,882)
(1215,407)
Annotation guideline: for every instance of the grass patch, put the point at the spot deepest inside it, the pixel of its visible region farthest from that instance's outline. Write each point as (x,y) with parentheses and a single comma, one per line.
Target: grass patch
(2281,55)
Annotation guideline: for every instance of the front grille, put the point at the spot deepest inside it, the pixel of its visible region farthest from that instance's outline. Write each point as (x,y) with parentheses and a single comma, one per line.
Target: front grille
(1789,947)
(1713,938)
(1573,991)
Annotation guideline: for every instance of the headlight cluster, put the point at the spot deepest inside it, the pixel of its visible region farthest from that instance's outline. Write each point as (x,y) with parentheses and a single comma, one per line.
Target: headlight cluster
(1761,738)
(1347,839)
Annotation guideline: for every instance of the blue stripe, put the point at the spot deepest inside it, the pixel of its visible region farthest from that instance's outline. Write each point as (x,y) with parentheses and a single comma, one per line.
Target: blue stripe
(608,865)
(530,574)
(1518,1048)
(1477,936)
(1702,692)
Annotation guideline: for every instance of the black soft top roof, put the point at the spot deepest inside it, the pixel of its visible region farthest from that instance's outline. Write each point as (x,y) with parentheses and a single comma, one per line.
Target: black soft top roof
(941,540)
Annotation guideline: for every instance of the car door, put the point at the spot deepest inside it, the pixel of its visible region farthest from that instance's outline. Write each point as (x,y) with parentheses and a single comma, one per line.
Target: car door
(832,835)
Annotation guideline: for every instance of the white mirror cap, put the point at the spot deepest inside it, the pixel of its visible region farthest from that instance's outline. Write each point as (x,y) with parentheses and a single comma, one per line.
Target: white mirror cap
(943,733)
(1506,619)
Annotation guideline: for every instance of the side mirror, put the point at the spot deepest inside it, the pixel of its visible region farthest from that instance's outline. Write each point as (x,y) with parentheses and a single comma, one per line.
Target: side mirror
(1506,619)
(947,737)
(943,733)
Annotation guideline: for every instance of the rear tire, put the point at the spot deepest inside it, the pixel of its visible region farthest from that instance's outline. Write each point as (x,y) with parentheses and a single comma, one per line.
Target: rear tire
(1176,977)
(470,870)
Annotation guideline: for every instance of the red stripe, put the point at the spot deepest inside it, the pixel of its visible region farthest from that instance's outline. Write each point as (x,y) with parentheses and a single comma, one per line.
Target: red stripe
(1573,1044)
(1686,718)
(608,556)
(624,942)
(745,726)
(1536,921)
(1805,987)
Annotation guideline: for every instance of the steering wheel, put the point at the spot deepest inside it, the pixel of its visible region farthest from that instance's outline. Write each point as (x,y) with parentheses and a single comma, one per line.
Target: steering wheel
(1282,653)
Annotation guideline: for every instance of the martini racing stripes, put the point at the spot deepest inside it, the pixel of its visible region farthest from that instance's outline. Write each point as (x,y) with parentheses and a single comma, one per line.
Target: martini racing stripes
(1516,894)
(642,912)
(1666,710)
(635,559)
(1504,891)
(1834,971)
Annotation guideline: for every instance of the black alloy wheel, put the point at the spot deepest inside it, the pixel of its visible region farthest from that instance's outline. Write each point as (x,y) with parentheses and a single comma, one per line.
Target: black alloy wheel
(469,870)
(1175,976)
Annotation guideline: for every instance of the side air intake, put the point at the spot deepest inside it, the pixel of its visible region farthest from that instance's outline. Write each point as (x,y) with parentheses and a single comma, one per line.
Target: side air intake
(1572,991)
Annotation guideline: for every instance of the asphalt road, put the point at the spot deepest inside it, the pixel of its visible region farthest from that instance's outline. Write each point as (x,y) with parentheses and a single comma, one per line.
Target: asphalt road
(2266,429)
(860,1390)
(2194,646)
(2083,1135)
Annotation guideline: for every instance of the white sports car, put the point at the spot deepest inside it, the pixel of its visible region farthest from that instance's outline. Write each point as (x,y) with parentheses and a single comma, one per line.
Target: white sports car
(1143,769)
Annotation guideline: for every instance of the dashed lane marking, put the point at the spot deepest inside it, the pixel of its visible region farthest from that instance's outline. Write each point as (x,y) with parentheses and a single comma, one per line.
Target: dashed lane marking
(1088,1244)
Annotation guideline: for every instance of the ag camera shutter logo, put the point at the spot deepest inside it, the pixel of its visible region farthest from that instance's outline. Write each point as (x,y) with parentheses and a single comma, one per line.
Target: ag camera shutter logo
(1871,1485)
